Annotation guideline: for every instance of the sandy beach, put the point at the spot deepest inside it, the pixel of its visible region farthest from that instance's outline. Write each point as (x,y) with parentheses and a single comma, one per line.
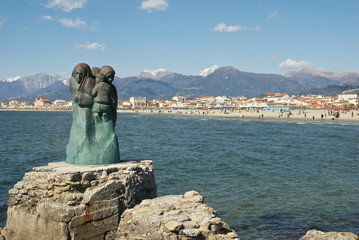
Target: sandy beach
(301,115)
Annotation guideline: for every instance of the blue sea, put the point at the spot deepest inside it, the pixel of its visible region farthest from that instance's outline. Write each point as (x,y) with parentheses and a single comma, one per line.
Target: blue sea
(266,179)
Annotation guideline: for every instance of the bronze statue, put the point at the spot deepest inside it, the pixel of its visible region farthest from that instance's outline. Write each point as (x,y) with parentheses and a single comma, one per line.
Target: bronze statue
(94,107)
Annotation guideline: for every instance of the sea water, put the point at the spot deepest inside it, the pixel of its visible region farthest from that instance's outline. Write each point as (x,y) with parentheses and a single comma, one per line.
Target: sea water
(266,179)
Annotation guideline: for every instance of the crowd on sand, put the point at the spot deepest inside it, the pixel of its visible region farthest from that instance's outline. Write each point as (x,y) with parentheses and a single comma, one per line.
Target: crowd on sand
(342,115)
(296,114)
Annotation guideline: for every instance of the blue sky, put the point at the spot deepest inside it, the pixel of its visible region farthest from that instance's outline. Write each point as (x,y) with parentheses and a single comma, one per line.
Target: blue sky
(183,36)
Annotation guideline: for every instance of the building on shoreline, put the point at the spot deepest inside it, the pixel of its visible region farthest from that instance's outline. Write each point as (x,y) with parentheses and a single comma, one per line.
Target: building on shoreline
(351,96)
(138,102)
(41,102)
(346,100)
(272,100)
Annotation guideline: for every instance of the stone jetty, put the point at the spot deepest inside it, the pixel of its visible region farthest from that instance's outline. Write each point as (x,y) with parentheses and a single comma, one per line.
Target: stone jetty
(63,201)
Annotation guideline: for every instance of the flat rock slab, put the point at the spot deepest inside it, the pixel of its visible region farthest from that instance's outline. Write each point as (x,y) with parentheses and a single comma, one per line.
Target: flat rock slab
(63,201)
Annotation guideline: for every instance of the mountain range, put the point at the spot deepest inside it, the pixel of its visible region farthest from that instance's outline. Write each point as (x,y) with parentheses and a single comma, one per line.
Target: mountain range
(162,84)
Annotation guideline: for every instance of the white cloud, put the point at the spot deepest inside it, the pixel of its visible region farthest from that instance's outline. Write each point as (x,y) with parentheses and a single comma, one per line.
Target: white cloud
(47,17)
(66,5)
(221,27)
(152,5)
(91,46)
(69,23)
(293,64)
(273,15)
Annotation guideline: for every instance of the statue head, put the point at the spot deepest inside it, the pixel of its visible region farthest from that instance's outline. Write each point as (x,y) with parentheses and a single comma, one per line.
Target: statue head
(95,70)
(80,72)
(109,72)
(100,78)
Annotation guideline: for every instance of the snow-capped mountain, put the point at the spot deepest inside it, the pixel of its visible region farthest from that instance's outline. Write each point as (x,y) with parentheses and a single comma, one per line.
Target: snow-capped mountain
(162,84)
(23,87)
(330,75)
(66,82)
(12,79)
(207,71)
(154,74)
(316,78)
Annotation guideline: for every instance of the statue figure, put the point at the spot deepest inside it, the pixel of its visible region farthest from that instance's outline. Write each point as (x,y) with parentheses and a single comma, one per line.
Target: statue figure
(102,98)
(95,70)
(110,76)
(94,107)
(81,84)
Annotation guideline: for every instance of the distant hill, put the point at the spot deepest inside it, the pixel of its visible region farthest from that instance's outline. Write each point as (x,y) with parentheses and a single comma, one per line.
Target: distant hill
(224,81)
(162,84)
(331,90)
(29,87)
(317,79)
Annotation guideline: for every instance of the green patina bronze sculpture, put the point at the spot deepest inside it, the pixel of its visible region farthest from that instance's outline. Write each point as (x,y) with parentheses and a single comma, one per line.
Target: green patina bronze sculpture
(93,140)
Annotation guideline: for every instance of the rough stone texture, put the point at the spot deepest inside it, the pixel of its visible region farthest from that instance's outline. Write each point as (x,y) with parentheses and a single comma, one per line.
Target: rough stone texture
(318,235)
(173,217)
(63,201)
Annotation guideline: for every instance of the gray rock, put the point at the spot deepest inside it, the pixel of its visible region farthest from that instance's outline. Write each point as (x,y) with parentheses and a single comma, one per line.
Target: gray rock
(319,235)
(173,226)
(191,232)
(216,227)
(183,218)
(193,196)
(172,217)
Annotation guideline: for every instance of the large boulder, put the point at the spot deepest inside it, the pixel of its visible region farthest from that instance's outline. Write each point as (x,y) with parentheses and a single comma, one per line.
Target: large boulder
(319,235)
(173,217)
(63,201)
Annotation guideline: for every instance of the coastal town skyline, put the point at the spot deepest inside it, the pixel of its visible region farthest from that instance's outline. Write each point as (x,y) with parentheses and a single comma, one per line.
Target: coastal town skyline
(179,36)
(346,100)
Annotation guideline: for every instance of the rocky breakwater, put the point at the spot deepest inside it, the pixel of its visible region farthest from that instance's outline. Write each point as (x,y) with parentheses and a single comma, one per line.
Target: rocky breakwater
(173,217)
(63,201)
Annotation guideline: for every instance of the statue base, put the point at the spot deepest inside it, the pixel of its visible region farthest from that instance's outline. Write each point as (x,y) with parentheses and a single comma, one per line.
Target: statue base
(63,201)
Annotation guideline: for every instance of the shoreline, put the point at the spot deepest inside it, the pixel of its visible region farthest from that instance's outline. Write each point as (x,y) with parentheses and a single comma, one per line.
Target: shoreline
(34,110)
(298,115)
